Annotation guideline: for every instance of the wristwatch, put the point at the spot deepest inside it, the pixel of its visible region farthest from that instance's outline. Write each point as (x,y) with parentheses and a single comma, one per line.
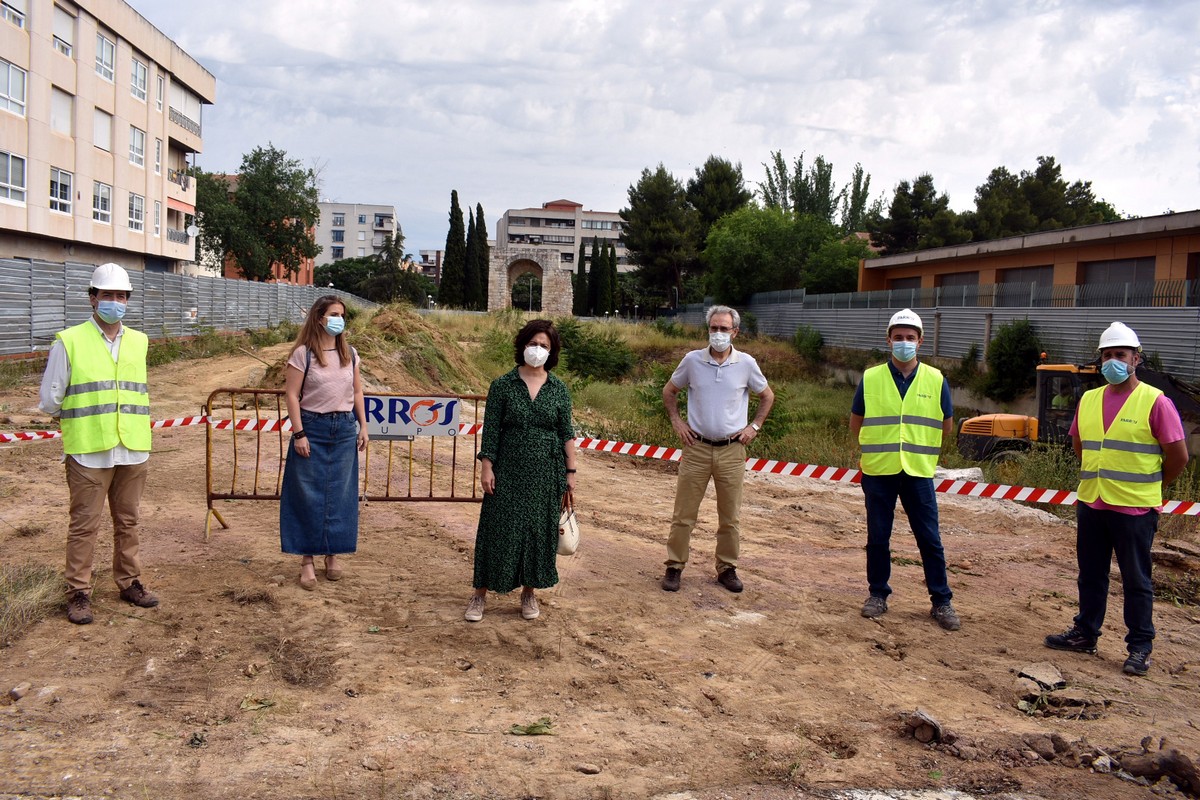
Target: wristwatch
(756,428)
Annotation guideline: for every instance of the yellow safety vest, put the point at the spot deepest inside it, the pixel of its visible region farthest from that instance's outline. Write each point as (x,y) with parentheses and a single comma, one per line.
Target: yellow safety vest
(107,403)
(1123,465)
(901,434)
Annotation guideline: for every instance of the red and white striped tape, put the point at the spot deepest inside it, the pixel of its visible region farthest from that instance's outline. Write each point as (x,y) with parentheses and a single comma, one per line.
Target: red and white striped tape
(792,468)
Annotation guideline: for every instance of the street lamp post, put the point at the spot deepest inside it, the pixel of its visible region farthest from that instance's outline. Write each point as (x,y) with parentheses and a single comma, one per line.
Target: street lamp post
(635,314)
(429,301)
(531,294)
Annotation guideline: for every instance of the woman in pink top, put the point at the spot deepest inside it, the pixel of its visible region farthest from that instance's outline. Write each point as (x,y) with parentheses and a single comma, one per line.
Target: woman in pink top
(318,504)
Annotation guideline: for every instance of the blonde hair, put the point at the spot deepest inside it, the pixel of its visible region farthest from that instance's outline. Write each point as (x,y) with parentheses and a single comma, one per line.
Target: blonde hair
(310,331)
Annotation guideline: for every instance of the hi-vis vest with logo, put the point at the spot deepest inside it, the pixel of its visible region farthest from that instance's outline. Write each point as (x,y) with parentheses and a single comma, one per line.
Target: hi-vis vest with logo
(901,434)
(1123,465)
(106,403)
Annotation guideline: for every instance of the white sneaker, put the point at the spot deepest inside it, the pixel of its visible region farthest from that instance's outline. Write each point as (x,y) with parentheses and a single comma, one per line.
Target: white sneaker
(529,606)
(475,608)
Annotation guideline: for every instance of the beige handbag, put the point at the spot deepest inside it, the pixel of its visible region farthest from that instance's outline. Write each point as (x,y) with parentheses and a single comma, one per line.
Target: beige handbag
(568,527)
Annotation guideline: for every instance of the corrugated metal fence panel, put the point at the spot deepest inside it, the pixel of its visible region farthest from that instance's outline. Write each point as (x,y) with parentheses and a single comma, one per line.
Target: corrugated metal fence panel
(38,299)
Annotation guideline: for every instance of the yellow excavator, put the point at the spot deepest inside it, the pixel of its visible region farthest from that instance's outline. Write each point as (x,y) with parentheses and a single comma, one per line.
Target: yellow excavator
(1059,388)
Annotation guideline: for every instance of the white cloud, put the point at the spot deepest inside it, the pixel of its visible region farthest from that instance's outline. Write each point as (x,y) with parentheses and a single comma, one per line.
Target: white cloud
(515,103)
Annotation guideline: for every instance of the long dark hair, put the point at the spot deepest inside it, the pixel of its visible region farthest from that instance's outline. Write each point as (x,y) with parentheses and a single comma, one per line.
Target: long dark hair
(526,334)
(310,337)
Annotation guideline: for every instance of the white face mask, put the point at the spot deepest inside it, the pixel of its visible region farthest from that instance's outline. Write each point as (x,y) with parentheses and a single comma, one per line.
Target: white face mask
(719,341)
(536,355)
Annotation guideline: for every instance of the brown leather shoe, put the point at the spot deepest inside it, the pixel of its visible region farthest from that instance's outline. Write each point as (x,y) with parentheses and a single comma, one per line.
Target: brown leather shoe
(136,593)
(79,608)
(670,581)
(730,580)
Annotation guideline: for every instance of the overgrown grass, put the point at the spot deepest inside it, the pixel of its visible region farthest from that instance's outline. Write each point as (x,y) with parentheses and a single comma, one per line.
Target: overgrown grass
(17,373)
(28,593)
(209,342)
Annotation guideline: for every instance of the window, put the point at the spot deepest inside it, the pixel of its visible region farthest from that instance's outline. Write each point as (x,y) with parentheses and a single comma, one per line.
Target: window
(158,156)
(338,252)
(338,221)
(12,88)
(102,130)
(106,57)
(13,11)
(101,202)
(339,236)
(158,94)
(12,177)
(60,190)
(362,236)
(62,112)
(64,31)
(137,81)
(137,146)
(157,218)
(362,219)
(137,212)
(362,251)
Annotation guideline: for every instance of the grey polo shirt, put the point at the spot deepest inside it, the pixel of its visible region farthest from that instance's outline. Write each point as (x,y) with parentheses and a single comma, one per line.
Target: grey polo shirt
(718,401)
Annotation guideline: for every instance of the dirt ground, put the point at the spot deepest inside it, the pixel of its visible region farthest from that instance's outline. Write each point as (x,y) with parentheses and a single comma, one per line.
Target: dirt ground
(241,685)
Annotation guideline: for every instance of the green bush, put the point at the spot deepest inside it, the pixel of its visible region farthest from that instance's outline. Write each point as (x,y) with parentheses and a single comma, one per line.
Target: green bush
(602,356)
(749,324)
(809,342)
(966,373)
(667,326)
(1012,359)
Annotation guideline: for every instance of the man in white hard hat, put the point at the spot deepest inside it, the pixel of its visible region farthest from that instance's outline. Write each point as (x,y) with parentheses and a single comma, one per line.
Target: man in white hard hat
(900,415)
(1131,442)
(95,383)
(719,380)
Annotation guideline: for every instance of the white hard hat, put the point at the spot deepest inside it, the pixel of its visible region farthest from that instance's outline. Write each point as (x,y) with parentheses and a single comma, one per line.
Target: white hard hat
(112,277)
(907,319)
(1119,335)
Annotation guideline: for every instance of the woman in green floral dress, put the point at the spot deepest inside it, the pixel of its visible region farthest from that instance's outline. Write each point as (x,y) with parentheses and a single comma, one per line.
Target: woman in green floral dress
(528,458)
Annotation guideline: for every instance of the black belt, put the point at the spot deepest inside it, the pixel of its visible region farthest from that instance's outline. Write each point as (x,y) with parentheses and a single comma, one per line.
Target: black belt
(717,442)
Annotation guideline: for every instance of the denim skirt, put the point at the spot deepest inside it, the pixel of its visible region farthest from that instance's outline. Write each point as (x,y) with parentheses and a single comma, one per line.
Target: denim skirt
(318,505)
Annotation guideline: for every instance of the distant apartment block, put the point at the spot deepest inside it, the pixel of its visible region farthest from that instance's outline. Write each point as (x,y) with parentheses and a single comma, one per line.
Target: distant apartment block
(560,225)
(430,264)
(353,230)
(100,119)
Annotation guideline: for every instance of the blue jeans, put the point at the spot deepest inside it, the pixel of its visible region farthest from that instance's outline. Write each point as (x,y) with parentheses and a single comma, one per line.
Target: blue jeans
(920,503)
(1099,534)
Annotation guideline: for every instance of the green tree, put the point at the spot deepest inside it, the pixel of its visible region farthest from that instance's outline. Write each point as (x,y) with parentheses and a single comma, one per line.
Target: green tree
(483,259)
(454,262)
(470,266)
(268,220)
(597,281)
(802,190)
(752,250)
(659,230)
(1012,358)
(833,267)
(857,207)
(717,189)
(918,218)
(579,300)
(346,274)
(610,251)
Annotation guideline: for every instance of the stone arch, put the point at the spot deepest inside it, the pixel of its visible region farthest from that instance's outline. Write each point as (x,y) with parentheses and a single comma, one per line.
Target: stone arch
(507,264)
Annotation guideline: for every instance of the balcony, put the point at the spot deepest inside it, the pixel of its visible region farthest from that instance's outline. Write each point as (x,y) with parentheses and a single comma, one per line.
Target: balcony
(179,237)
(385,223)
(182,120)
(181,187)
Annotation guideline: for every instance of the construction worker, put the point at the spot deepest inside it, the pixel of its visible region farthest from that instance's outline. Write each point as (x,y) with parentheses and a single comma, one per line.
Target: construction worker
(1130,440)
(900,415)
(95,382)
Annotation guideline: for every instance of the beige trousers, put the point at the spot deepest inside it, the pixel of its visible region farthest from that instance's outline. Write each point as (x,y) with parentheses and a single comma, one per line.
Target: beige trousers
(123,487)
(726,467)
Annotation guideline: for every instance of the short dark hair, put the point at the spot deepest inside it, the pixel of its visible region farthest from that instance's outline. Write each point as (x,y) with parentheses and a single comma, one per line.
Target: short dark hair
(526,334)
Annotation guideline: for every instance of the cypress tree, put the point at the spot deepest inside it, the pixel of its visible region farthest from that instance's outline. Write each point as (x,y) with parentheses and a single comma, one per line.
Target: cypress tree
(595,293)
(579,301)
(482,258)
(451,290)
(612,278)
(470,274)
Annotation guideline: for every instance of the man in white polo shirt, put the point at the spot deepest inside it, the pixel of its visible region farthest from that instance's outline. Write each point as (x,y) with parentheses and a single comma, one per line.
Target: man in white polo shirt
(719,380)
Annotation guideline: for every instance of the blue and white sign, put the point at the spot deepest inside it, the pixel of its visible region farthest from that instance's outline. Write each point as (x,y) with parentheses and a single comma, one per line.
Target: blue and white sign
(395,417)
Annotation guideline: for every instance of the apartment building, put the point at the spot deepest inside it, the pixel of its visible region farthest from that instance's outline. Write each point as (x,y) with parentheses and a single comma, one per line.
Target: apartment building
(100,118)
(352,230)
(560,225)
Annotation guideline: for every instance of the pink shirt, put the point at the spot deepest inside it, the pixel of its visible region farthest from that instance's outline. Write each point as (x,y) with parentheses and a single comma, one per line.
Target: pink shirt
(1165,426)
(327,388)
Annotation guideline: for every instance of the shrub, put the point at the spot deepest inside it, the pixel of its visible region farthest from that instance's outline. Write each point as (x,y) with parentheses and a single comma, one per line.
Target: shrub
(749,324)
(600,356)
(1012,359)
(667,326)
(966,373)
(808,342)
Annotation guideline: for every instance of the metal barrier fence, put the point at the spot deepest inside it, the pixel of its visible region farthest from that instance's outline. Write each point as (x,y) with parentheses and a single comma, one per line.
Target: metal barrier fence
(42,298)
(256,420)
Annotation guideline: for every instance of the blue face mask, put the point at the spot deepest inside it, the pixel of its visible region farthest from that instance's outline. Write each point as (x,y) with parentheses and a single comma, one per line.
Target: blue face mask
(111,311)
(1115,371)
(904,351)
(335,325)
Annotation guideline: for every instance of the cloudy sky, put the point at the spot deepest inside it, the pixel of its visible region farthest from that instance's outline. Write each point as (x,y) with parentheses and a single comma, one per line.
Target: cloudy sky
(514,103)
